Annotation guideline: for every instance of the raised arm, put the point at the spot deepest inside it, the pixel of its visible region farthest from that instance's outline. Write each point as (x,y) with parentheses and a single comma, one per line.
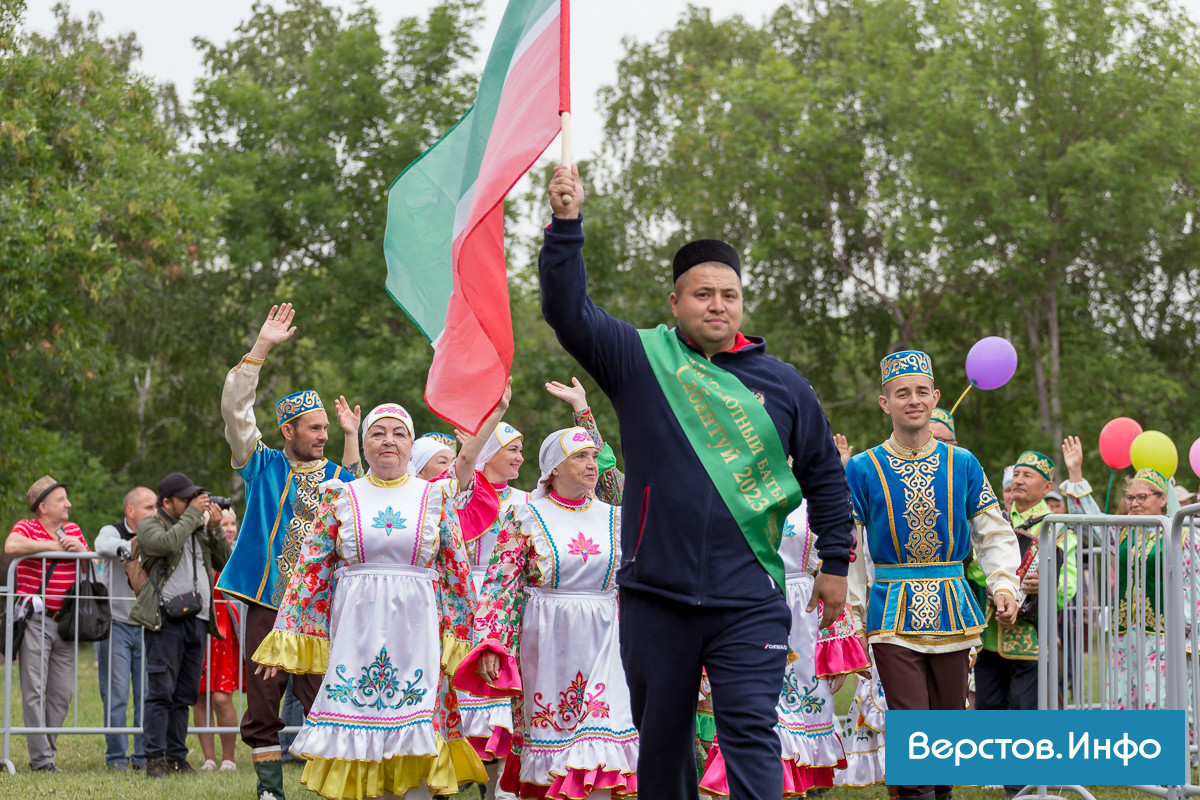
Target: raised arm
(237,398)
(610,487)
(348,420)
(472,446)
(606,347)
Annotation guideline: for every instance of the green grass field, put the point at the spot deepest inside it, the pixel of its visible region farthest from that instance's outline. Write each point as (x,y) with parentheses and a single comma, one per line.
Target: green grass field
(84,776)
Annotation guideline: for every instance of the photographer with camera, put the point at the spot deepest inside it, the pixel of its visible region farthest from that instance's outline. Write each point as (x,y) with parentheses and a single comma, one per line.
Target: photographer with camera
(120,656)
(175,607)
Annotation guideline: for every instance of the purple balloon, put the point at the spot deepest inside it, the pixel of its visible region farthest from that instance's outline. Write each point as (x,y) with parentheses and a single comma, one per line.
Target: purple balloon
(991,362)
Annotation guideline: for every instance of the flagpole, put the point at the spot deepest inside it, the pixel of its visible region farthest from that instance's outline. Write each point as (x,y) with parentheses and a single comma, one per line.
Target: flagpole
(566,147)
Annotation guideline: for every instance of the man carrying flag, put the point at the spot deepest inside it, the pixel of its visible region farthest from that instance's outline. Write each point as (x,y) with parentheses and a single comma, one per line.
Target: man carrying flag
(701,581)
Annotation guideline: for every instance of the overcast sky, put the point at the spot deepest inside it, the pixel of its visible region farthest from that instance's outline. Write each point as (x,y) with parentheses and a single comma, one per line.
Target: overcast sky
(165,29)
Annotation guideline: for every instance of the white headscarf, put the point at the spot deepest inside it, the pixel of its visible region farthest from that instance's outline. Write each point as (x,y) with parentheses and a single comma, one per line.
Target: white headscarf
(392,410)
(423,450)
(557,448)
(504,435)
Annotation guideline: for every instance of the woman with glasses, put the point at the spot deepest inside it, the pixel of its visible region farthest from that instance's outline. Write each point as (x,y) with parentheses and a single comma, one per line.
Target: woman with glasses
(1141,583)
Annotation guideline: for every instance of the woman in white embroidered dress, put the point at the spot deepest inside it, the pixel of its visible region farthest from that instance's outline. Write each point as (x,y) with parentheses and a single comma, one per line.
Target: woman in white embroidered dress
(384,548)
(488,721)
(811,748)
(546,626)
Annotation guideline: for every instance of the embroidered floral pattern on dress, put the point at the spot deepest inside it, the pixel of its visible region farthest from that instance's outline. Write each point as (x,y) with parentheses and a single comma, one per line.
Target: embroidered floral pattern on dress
(378,684)
(575,705)
(388,520)
(583,546)
(795,697)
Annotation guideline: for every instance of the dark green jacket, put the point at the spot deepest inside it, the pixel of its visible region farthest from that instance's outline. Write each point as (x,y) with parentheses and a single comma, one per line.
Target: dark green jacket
(159,546)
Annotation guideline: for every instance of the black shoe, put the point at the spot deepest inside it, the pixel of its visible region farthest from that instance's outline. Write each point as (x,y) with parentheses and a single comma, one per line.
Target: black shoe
(137,765)
(120,766)
(181,766)
(51,767)
(158,768)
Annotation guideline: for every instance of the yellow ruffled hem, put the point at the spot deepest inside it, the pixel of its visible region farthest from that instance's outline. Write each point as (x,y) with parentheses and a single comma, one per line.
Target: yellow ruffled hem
(455,763)
(453,653)
(293,652)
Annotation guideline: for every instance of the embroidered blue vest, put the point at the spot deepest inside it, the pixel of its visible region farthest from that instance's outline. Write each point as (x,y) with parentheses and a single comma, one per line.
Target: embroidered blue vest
(916,508)
(281,504)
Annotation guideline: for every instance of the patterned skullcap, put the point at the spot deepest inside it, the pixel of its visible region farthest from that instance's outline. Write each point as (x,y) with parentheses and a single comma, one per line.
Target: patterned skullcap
(444,438)
(298,404)
(906,362)
(1154,478)
(1039,462)
(945,417)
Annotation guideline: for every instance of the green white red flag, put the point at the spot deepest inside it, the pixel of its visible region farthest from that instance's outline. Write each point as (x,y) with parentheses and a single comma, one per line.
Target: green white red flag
(444,243)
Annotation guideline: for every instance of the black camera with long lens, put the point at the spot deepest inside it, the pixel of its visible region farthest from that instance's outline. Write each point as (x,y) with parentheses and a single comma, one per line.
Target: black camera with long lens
(223,502)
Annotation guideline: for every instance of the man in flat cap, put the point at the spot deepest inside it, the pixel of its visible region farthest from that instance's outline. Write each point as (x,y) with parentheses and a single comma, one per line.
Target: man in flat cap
(282,497)
(709,424)
(47,663)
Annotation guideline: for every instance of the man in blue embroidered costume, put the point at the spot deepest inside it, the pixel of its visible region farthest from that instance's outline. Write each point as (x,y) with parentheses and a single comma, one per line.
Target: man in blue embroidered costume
(708,421)
(281,503)
(1006,669)
(919,506)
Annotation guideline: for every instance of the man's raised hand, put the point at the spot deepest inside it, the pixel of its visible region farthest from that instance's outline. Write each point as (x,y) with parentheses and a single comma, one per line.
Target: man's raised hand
(277,329)
(566,183)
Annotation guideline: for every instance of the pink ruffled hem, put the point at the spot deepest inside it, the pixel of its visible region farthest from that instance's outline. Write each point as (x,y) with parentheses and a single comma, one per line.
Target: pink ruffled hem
(575,785)
(839,657)
(489,748)
(796,779)
(508,684)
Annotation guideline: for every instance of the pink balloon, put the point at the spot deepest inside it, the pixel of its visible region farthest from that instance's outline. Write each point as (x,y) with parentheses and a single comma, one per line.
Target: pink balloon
(1194,457)
(991,362)
(1115,440)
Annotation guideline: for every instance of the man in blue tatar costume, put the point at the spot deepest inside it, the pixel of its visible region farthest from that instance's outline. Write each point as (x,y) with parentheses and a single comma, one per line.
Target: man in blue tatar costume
(282,496)
(919,507)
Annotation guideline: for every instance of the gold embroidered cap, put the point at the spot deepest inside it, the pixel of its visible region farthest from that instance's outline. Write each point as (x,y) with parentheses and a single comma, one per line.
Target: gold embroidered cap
(945,417)
(1154,478)
(1039,462)
(296,405)
(906,362)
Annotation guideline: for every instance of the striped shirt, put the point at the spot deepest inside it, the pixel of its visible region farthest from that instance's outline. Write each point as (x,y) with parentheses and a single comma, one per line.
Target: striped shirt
(29,571)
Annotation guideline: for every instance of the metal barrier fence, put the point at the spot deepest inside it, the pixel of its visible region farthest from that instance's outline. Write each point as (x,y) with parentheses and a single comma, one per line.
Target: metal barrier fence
(72,726)
(1121,640)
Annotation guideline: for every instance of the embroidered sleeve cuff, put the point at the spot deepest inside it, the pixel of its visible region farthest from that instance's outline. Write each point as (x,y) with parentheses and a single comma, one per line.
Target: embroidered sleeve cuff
(467,678)
(293,652)
(1005,590)
(1077,489)
(249,361)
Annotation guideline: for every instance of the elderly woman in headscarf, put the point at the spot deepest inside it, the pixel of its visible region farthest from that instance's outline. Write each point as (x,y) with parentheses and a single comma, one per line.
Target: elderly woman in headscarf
(384,547)
(546,626)
(487,721)
(432,456)
(1141,583)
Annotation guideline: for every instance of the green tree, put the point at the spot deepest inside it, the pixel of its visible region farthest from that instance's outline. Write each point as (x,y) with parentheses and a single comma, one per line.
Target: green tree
(900,173)
(98,217)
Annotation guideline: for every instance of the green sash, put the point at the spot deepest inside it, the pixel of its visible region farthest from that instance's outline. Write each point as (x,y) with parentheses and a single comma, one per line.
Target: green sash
(735,440)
